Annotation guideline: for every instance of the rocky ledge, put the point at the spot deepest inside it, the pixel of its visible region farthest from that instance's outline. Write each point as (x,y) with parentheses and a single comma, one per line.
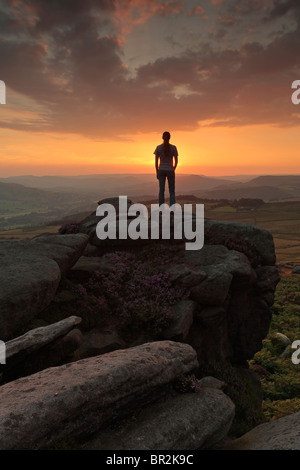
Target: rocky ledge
(105,340)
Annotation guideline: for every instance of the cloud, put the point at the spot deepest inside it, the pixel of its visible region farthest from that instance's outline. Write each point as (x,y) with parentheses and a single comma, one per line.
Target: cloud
(282,7)
(169,8)
(127,14)
(197,10)
(226,20)
(70,60)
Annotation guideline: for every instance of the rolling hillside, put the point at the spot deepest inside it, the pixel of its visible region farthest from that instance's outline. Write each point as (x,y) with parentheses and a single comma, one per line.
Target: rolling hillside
(266,187)
(22,206)
(267,193)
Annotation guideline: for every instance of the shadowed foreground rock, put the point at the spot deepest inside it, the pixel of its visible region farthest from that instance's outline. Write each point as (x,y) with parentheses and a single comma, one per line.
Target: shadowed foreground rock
(30,274)
(77,399)
(231,279)
(41,347)
(281,434)
(39,337)
(221,310)
(232,314)
(187,421)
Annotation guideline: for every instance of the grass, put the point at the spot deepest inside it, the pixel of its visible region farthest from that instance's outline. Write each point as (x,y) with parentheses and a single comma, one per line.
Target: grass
(224,209)
(280,219)
(23,233)
(280,377)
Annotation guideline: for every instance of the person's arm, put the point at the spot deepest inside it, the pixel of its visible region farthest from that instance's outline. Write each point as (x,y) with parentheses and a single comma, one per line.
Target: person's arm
(175,161)
(175,158)
(156,163)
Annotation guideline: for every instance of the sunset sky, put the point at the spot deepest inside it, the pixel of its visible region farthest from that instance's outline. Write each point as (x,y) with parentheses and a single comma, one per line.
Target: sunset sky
(91,85)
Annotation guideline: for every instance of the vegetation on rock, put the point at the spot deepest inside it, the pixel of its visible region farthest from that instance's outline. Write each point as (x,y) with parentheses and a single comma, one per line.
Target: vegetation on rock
(243,390)
(146,297)
(69,227)
(280,378)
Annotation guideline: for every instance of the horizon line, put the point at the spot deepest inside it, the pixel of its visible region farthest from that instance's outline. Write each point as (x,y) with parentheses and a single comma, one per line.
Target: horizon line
(146,174)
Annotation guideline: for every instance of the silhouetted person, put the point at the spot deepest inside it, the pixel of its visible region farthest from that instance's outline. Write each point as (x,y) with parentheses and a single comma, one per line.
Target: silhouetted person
(166,161)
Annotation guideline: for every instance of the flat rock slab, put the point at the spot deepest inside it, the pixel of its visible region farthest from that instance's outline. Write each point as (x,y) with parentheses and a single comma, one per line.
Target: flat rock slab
(39,337)
(280,434)
(30,274)
(186,421)
(79,398)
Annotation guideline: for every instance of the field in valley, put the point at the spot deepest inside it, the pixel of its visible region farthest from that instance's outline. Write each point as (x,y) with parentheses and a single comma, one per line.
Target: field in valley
(27,233)
(282,219)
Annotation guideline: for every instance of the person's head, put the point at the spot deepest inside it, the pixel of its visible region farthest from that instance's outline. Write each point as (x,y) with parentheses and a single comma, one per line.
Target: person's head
(166,136)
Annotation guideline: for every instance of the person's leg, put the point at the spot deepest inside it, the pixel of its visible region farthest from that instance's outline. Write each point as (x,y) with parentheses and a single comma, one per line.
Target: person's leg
(171,183)
(162,182)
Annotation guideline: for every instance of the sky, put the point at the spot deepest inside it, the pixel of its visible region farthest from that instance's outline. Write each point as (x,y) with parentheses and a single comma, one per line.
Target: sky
(92,85)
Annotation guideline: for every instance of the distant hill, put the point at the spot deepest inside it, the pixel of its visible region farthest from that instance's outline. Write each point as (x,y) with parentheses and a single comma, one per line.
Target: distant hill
(22,194)
(32,199)
(275,180)
(23,206)
(266,193)
(289,184)
(100,186)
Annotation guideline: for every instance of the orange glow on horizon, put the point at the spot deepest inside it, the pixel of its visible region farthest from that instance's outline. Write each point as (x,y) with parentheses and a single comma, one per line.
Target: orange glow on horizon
(210,150)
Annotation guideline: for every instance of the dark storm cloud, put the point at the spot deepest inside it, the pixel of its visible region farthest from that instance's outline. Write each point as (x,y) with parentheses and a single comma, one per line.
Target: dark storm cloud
(282,7)
(50,14)
(69,57)
(235,11)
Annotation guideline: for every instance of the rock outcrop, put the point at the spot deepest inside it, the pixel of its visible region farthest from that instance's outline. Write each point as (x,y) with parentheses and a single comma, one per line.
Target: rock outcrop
(258,241)
(232,281)
(31,271)
(41,348)
(233,299)
(77,399)
(280,434)
(106,374)
(189,421)
(37,338)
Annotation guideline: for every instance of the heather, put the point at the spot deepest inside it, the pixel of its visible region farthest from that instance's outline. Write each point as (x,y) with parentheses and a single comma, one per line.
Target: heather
(69,227)
(134,294)
(280,378)
(137,293)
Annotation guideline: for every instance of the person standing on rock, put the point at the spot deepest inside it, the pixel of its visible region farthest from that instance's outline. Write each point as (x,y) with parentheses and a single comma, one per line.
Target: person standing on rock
(166,161)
